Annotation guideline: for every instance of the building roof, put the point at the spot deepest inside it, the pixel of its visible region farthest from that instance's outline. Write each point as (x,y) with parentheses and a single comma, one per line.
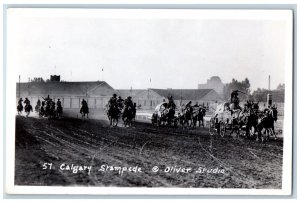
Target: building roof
(133,93)
(61,88)
(183,94)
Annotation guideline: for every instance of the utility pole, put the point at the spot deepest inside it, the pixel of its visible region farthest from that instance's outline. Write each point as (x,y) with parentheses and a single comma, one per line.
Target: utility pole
(19,86)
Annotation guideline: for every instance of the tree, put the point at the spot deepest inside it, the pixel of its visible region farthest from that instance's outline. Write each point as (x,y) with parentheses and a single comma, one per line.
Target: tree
(38,79)
(280,86)
(243,86)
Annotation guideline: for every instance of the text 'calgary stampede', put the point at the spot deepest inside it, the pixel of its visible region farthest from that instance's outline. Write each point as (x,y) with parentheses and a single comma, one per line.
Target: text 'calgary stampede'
(120,170)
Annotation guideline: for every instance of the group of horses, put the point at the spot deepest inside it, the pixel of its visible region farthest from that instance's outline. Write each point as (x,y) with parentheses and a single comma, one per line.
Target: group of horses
(185,117)
(46,109)
(27,108)
(116,112)
(251,122)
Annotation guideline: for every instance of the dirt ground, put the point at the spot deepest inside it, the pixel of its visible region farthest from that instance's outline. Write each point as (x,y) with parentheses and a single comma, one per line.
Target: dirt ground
(142,156)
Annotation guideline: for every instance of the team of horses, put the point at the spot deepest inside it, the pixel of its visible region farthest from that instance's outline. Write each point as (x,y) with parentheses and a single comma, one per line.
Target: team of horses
(254,123)
(185,117)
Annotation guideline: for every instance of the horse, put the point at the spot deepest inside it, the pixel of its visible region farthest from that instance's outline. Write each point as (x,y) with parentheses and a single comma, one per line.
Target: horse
(20,109)
(28,108)
(266,125)
(37,107)
(113,115)
(248,120)
(187,117)
(128,116)
(59,111)
(198,116)
(84,110)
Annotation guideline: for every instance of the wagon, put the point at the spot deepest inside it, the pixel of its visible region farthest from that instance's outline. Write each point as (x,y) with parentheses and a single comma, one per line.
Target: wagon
(161,116)
(224,119)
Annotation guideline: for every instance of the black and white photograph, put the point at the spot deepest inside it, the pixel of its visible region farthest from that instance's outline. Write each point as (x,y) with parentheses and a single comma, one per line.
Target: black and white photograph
(149,101)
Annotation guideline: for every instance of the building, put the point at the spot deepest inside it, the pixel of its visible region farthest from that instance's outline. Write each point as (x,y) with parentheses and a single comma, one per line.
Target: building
(96,93)
(150,98)
(214,83)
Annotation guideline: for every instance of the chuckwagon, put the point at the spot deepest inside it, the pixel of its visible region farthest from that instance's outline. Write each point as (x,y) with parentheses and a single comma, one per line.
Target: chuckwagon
(224,119)
(164,116)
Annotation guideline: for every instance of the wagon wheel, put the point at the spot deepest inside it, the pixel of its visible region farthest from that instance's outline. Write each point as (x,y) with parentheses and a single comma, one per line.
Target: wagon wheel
(211,129)
(222,129)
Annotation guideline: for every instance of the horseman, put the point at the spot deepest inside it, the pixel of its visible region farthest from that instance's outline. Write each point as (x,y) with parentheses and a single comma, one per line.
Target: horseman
(27,102)
(58,103)
(112,101)
(84,105)
(171,104)
(120,102)
(42,110)
(128,102)
(20,106)
(47,99)
(38,105)
(20,101)
(234,99)
(188,106)
(28,107)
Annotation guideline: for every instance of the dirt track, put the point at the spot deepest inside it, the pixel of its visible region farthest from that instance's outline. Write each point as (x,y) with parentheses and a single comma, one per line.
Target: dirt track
(238,162)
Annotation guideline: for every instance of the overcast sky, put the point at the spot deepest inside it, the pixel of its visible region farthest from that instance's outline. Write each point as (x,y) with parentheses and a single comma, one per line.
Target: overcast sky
(174,53)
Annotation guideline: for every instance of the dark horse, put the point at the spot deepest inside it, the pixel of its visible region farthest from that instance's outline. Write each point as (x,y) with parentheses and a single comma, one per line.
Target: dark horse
(187,117)
(198,115)
(249,119)
(113,115)
(28,108)
(128,116)
(266,125)
(20,109)
(168,116)
(84,110)
(59,111)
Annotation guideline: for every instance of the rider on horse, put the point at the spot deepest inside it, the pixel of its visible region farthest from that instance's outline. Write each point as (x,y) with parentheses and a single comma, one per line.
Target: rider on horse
(128,102)
(20,101)
(171,103)
(84,105)
(20,106)
(120,102)
(27,102)
(112,101)
(188,107)
(58,103)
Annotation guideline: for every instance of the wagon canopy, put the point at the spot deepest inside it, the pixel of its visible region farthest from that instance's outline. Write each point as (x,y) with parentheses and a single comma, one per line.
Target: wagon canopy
(160,106)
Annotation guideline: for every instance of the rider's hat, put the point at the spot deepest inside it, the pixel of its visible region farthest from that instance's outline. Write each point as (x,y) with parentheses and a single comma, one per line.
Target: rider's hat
(129,97)
(114,95)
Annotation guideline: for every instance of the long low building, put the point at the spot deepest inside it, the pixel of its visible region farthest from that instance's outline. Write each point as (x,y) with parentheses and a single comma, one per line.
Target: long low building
(97,93)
